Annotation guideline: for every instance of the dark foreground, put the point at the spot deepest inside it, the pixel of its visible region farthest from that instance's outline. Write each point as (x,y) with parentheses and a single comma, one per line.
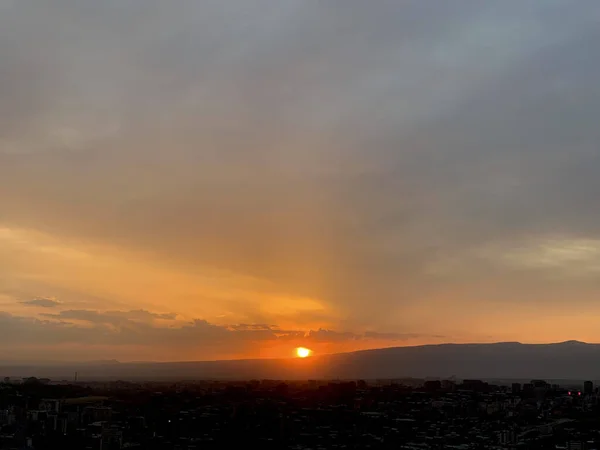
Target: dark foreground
(408,414)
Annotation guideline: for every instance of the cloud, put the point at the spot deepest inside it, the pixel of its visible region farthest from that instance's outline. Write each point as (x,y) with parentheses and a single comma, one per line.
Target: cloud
(42,302)
(122,333)
(395,336)
(322,335)
(111,317)
(253,327)
(141,314)
(557,257)
(354,156)
(566,256)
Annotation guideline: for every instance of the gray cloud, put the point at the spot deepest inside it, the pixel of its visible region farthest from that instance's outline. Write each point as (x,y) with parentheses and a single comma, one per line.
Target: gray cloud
(253,327)
(42,302)
(141,314)
(111,317)
(197,339)
(338,150)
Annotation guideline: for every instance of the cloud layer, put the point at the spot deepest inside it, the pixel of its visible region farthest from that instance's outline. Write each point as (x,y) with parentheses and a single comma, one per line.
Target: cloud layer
(139,334)
(41,302)
(405,167)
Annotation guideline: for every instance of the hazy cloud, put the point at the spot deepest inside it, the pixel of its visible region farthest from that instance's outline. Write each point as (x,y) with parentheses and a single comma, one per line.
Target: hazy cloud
(198,339)
(253,327)
(111,317)
(383,161)
(42,302)
(322,335)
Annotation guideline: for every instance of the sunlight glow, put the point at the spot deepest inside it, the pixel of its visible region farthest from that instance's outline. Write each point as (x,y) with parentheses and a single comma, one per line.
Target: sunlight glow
(302,352)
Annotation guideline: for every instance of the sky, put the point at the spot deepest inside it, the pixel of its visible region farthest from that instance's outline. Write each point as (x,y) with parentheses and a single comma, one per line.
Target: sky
(192,180)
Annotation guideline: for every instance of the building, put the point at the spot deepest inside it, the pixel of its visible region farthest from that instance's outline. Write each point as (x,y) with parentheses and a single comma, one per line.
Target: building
(588,388)
(52,405)
(432,386)
(474,385)
(449,385)
(516,388)
(507,437)
(97,414)
(540,384)
(576,445)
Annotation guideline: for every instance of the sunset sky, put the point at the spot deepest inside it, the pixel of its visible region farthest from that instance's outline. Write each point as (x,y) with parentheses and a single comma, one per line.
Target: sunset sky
(222,179)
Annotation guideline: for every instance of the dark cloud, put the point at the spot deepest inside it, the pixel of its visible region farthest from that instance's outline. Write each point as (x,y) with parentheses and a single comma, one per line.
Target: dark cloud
(42,302)
(339,150)
(198,339)
(141,314)
(253,327)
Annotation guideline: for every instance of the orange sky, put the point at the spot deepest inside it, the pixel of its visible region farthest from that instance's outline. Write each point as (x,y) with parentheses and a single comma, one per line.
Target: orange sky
(207,180)
(129,305)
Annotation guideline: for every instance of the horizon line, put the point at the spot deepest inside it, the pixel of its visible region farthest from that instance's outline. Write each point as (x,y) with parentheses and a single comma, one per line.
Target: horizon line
(116,361)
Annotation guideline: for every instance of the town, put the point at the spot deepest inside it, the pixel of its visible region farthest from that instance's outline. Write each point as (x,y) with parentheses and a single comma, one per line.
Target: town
(314,414)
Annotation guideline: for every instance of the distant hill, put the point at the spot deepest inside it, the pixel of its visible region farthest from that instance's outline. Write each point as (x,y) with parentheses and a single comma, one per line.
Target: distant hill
(565,360)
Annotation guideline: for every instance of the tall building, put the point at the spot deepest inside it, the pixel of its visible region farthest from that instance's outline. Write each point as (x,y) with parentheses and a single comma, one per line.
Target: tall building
(516,388)
(588,388)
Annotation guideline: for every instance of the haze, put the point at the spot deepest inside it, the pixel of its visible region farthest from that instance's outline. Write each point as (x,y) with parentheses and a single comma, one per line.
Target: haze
(212,180)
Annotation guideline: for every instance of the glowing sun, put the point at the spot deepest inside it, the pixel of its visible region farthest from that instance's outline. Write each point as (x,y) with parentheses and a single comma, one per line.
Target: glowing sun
(302,352)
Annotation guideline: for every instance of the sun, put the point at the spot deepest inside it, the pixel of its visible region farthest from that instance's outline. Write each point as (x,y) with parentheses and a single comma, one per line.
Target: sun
(303,352)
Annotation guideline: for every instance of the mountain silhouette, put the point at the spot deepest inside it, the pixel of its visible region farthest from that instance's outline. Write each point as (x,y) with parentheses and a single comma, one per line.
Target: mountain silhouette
(507,360)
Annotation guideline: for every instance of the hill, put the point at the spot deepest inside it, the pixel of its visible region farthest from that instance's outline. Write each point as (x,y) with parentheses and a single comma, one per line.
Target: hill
(565,360)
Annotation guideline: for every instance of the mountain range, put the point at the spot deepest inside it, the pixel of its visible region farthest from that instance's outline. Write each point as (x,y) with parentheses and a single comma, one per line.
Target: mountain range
(504,360)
